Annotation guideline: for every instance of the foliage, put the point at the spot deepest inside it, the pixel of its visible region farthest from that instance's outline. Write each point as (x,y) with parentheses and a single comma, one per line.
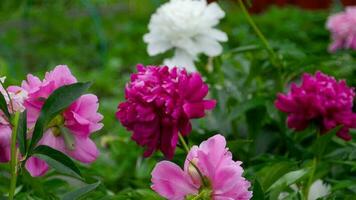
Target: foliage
(102,42)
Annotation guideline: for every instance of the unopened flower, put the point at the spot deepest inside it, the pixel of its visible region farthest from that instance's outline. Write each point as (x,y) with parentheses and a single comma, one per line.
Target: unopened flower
(160,103)
(187,26)
(322,100)
(343,29)
(14,97)
(209,172)
(81,119)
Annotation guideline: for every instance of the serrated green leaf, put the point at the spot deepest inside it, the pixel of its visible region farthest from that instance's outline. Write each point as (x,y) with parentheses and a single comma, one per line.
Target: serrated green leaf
(57,160)
(22,132)
(59,100)
(81,191)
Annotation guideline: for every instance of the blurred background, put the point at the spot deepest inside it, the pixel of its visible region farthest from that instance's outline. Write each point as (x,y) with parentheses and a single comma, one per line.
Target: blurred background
(101,41)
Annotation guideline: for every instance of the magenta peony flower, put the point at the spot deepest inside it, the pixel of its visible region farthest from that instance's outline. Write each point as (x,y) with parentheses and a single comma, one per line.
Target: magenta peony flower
(80,118)
(209,171)
(320,99)
(343,29)
(18,97)
(159,104)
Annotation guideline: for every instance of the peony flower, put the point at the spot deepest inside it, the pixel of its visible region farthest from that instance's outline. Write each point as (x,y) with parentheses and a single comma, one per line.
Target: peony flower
(343,29)
(322,100)
(159,104)
(81,119)
(17,96)
(209,172)
(187,26)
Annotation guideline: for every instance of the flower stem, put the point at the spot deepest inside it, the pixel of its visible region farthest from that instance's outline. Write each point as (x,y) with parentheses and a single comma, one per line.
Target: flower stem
(275,60)
(311,177)
(257,30)
(185,146)
(14,157)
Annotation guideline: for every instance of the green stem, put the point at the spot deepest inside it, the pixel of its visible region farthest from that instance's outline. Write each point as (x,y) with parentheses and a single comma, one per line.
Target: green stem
(181,139)
(14,157)
(257,30)
(275,60)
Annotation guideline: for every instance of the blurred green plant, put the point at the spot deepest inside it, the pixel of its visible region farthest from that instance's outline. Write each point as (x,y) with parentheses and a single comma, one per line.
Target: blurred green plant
(101,40)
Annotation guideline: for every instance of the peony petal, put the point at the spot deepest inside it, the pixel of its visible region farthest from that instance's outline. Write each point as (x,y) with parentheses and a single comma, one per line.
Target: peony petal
(84,151)
(171,182)
(36,166)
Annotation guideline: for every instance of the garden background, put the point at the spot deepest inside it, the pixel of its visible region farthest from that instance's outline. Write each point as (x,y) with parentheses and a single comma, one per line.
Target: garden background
(101,41)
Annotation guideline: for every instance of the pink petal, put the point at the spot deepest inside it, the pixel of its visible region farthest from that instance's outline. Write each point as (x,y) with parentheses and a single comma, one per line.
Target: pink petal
(84,151)
(36,166)
(171,182)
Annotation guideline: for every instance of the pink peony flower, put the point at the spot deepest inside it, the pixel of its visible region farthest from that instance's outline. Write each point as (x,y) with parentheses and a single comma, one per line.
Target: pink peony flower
(159,104)
(320,99)
(80,118)
(343,29)
(209,171)
(17,96)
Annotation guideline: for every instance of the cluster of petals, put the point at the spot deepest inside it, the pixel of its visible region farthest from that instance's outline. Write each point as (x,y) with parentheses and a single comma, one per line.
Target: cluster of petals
(322,100)
(343,29)
(160,103)
(80,118)
(187,26)
(210,162)
(17,96)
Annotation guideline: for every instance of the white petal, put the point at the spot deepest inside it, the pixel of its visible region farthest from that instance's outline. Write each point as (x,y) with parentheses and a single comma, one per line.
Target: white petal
(318,190)
(209,46)
(215,11)
(181,59)
(157,48)
(217,34)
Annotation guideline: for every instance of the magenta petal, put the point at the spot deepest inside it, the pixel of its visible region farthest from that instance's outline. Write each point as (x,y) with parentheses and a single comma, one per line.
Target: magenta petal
(194,110)
(171,182)
(5,143)
(36,166)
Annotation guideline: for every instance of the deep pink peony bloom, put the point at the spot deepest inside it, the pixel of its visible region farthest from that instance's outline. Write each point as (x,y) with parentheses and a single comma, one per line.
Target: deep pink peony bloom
(222,177)
(160,103)
(320,99)
(80,118)
(17,96)
(343,29)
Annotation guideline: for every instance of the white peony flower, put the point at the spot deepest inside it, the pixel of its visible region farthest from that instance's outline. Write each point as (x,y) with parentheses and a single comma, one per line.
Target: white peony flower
(187,26)
(318,190)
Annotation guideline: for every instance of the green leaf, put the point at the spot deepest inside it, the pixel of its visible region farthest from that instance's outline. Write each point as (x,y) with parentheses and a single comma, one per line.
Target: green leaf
(286,180)
(57,160)
(258,193)
(81,191)
(272,172)
(22,132)
(322,141)
(59,100)
(68,138)
(3,106)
